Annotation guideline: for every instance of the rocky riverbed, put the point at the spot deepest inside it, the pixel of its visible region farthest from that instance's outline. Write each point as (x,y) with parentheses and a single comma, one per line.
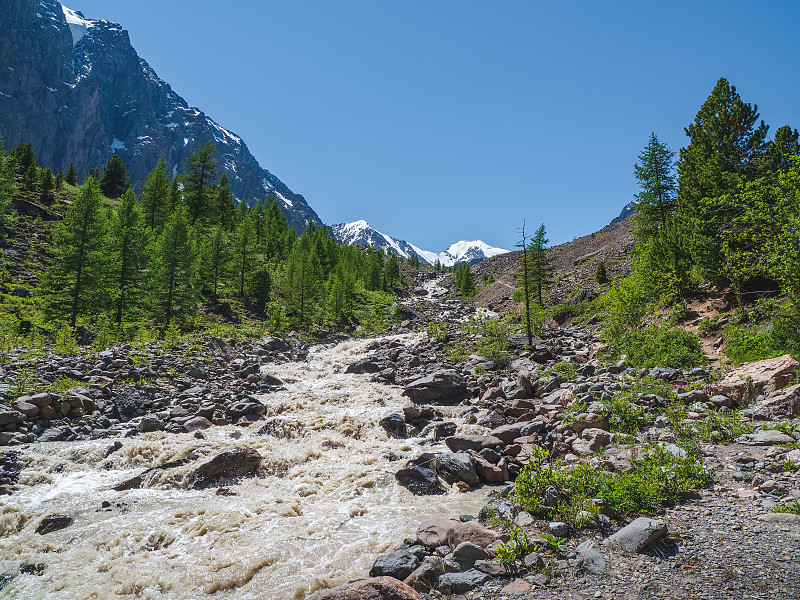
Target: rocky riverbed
(277,469)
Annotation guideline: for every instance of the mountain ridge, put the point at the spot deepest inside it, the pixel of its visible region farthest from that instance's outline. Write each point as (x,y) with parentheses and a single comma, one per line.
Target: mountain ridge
(75,87)
(361,233)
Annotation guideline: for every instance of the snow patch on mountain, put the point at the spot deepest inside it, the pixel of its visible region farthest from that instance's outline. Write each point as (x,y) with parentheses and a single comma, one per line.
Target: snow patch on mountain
(78,25)
(360,233)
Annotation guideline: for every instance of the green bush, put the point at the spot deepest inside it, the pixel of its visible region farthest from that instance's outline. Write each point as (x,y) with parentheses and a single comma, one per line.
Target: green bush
(749,343)
(658,477)
(658,347)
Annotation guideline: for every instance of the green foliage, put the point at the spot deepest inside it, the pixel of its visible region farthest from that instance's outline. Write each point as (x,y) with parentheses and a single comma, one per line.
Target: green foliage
(201,174)
(626,416)
(745,343)
(464,280)
(556,544)
(658,347)
(115,179)
(155,201)
(793,508)
(493,340)
(655,173)
(66,344)
(72,175)
(275,318)
(517,546)
(7,212)
(62,384)
(658,477)
(601,276)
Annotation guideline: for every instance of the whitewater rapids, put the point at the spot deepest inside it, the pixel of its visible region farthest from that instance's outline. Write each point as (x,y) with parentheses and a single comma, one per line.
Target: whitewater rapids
(323,507)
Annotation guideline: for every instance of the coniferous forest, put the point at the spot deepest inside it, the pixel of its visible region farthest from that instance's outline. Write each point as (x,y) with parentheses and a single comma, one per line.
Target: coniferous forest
(181,255)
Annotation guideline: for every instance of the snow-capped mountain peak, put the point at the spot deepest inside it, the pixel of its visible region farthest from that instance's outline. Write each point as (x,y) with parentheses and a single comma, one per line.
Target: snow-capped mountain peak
(360,233)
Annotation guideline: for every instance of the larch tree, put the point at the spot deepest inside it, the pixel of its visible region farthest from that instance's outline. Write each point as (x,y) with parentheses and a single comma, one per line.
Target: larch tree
(174,267)
(200,177)
(115,180)
(156,197)
(72,175)
(658,186)
(128,242)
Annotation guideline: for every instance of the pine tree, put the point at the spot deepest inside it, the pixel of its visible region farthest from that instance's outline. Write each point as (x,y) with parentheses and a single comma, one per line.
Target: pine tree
(244,245)
(655,173)
(464,279)
(174,267)
(74,282)
(276,246)
(72,175)
(24,156)
(59,181)
(7,215)
(176,198)
(303,282)
(725,149)
(156,198)
(94,173)
(541,271)
(46,185)
(128,244)
(601,276)
(31,177)
(226,203)
(215,259)
(115,179)
(391,274)
(201,173)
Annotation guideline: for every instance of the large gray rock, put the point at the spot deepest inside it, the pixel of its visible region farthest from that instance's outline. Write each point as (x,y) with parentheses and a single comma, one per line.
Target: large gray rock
(766,437)
(232,464)
(455,467)
(466,553)
(590,557)
(9,416)
(130,403)
(377,588)
(80,94)
(420,481)
(638,534)
(459,443)
(398,564)
(458,583)
(247,407)
(446,386)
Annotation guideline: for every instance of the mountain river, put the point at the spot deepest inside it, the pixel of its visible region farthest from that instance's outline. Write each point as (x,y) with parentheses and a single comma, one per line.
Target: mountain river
(323,507)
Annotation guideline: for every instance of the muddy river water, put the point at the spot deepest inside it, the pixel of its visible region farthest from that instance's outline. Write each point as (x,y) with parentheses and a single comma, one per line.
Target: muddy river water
(323,507)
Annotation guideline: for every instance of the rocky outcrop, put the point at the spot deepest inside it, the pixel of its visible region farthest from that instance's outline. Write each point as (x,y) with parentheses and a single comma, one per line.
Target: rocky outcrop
(745,383)
(76,89)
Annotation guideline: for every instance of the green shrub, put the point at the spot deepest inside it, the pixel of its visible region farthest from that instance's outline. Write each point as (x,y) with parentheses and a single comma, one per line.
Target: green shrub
(745,343)
(625,416)
(658,347)
(658,477)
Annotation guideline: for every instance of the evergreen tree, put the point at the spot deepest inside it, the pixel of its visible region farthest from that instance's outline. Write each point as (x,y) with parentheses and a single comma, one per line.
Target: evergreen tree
(94,173)
(392,278)
(277,243)
(31,177)
(725,149)
(59,181)
(303,282)
(374,275)
(6,207)
(174,267)
(226,203)
(176,198)
(72,175)
(244,246)
(464,279)
(541,271)
(655,173)
(601,276)
(74,282)
(201,173)
(115,179)
(156,197)
(46,185)
(525,281)
(128,245)
(24,156)
(215,259)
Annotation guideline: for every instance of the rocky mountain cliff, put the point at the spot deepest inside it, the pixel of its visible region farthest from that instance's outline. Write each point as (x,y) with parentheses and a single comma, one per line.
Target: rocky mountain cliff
(78,91)
(360,233)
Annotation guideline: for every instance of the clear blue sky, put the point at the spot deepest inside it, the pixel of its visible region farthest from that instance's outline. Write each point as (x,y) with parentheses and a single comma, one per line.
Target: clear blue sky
(445,120)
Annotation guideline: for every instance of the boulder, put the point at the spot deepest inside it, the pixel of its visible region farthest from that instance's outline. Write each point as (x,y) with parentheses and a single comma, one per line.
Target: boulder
(12,438)
(638,534)
(444,429)
(196,423)
(779,404)
(53,523)
(458,466)
(377,588)
(458,443)
(54,434)
(590,557)
(420,481)
(466,553)
(458,583)
(434,533)
(471,531)
(231,464)
(129,404)
(445,386)
(395,426)
(766,437)
(249,408)
(743,384)
(363,366)
(398,564)
(150,423)
(26,408)
(9,416)
(508,433)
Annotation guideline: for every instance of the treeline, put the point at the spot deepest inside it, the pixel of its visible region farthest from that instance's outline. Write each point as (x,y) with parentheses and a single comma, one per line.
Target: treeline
(725,215)
(184,240)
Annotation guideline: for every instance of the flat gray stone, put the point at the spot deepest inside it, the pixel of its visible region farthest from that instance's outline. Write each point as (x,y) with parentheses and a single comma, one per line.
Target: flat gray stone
(592,560)
(638,534)
(768,437)
(458,583)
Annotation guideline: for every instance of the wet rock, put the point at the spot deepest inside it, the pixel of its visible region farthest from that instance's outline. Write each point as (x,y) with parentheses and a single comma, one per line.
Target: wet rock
(444,430)
(395,426)
(54,434)
(446,386)
(282,428)
(53,523)
(398,564)
(638,534)
(232,464)
(455,467)
(420,481)
(249,408)
(458,583)
(129,404)
(196,423)
(434,533)
(363,366)
(150,423)
(12,438)
(377,588)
